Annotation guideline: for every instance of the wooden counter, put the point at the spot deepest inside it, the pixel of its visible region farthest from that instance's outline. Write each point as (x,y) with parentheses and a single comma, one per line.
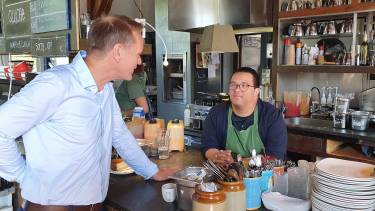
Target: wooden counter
(132,192)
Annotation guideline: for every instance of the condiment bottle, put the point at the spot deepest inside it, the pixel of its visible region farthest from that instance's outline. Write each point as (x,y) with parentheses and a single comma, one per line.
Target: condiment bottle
(305,55)
(321,55)
(289,52)
(208,201)
(298,52)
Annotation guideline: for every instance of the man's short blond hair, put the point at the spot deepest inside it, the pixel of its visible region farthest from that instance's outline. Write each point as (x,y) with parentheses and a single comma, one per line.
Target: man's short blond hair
(107,31)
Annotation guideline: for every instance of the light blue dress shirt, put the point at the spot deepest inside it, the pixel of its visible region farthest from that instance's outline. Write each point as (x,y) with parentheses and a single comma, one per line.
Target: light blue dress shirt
(68,129)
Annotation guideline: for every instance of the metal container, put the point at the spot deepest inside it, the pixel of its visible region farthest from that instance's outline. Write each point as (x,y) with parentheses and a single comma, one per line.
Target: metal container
(360,120)
(185,187)
(372,117)
(197,123)
(367,100)
(339,120)
(342,105)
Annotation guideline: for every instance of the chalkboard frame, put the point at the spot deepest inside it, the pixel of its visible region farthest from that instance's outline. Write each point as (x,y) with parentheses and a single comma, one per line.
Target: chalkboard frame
(59,25)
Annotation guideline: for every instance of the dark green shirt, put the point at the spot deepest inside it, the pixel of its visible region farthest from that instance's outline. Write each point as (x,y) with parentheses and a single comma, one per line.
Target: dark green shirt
(128,91)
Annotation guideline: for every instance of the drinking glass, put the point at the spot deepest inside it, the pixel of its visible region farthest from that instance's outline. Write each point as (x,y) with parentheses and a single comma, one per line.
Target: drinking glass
(163,145)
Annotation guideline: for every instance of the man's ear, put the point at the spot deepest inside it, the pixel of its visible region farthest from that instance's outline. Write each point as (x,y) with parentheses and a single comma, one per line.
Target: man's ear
(116,52)
(256,91)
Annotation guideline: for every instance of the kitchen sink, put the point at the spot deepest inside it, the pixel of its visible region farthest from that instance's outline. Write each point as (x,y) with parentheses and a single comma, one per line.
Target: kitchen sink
(308,122)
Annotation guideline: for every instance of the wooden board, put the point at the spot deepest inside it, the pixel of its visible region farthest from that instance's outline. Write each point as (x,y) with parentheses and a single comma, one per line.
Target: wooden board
(49,15)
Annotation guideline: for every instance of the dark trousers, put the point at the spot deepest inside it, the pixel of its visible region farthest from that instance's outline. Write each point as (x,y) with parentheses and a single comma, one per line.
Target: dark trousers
(30,206)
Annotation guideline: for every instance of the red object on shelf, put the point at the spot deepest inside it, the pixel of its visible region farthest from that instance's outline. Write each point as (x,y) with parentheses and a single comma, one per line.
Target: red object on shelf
(18,69)
(292,110)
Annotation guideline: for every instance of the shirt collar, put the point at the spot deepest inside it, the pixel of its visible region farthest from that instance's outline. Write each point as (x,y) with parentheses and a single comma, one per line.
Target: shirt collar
(83,73)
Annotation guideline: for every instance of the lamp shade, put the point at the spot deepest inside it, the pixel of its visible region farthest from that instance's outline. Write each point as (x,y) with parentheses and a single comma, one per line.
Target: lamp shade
(218,38)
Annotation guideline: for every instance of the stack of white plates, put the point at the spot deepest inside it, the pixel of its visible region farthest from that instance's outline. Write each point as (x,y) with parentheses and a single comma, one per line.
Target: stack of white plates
(343,185)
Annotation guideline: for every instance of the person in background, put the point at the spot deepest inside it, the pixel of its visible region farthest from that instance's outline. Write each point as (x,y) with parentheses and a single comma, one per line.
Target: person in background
(69,120)
(131,94)
(243,124)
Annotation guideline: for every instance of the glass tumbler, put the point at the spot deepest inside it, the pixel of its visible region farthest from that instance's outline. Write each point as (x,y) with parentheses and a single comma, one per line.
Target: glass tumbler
(163,145)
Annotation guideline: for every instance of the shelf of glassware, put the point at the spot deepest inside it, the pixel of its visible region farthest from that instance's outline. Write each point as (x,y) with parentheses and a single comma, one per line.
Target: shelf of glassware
(328,11)
(325,69)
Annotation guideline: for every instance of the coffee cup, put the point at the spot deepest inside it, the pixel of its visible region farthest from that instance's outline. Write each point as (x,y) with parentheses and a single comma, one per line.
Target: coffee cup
(169,192)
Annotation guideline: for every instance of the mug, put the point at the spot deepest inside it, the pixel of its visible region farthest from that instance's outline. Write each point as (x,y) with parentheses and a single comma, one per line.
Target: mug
(169,192)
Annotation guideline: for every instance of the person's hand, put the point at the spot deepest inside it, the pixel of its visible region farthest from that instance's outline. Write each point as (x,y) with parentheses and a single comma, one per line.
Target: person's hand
(163,174)
(223,158)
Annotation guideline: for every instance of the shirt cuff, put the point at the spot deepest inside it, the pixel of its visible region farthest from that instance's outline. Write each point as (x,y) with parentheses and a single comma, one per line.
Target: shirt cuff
(150,171)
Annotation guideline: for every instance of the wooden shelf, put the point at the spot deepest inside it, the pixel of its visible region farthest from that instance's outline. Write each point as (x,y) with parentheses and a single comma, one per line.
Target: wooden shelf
(316,37)
(327,11)
(351,153)
(325,69)
(316,12)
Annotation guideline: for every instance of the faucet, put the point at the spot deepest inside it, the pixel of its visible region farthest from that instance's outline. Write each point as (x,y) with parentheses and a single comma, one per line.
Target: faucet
(313,104)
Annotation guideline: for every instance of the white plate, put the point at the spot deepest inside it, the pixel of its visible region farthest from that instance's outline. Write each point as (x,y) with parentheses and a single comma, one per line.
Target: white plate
(348,187)
(343,202)
(357,195)
(324,203)
(345,169)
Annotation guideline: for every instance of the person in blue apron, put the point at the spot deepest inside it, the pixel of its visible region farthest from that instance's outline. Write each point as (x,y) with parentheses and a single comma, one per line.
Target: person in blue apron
(243,124)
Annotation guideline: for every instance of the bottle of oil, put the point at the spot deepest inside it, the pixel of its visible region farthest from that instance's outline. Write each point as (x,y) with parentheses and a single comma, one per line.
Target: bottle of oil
(363,52)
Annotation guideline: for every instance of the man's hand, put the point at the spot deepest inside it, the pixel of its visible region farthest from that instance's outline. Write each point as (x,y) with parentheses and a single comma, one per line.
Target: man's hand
(222,158)
(163,174)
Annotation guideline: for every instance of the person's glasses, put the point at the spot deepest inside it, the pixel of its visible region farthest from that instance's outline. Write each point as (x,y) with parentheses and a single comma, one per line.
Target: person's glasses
(242,86)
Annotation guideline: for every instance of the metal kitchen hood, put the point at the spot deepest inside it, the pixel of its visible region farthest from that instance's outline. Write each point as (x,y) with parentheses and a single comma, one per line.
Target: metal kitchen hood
(193,15)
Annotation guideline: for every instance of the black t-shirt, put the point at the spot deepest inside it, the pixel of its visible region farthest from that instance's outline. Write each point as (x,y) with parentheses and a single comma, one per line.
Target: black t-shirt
(271,126)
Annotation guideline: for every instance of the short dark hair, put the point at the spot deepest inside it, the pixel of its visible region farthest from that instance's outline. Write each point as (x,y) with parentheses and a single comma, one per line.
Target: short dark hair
(250,71)
(106,31)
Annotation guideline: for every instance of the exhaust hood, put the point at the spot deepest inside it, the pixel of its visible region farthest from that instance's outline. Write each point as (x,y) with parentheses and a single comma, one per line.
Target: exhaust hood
(193,15)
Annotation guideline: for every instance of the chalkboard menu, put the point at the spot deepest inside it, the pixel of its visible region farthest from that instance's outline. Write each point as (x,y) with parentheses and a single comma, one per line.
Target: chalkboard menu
(50,46)
(18,45)
(16,18)
(49,15)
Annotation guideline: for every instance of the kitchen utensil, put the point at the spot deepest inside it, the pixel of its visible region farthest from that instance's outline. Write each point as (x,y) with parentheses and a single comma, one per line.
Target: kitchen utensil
(339,120)
(185,187)
(214,169)
(197,122)
(367,100)
(360,120)
(341,105)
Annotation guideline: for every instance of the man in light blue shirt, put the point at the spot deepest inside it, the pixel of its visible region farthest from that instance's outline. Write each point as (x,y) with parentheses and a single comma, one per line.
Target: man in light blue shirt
(69,119)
